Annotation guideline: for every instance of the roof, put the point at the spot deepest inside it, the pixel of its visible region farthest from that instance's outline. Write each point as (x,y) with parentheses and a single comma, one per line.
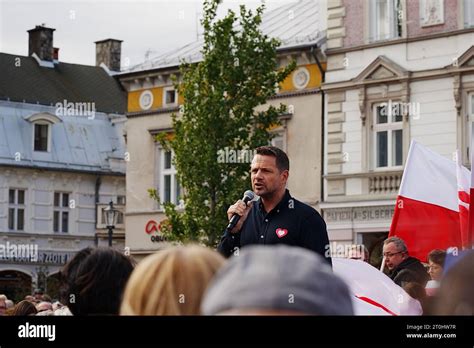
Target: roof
(78,143)
(75,83)
(294,24)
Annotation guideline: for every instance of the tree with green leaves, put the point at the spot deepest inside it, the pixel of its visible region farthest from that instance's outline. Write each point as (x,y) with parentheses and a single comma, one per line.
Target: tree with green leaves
(224,112)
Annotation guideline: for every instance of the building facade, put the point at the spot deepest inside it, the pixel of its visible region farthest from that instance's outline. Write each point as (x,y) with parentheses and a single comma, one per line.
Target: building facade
(62,160)
(152,99)
(397,70)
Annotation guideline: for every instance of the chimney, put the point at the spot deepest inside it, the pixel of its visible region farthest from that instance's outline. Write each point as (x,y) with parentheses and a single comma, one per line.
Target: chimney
(108,52)
(41,42)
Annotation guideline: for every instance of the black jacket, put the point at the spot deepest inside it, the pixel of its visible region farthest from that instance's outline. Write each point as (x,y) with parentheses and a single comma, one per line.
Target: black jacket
(410,270)
(291,222)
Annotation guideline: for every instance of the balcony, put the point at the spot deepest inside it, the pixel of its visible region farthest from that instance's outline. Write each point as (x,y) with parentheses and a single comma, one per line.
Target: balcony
(366,186)
(383,183)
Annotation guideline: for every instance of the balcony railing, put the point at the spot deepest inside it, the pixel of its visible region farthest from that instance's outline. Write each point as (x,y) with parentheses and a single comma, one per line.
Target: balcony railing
(380,184)
(383,183)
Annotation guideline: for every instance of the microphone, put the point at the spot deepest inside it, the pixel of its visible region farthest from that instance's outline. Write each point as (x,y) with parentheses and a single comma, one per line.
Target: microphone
(248,196)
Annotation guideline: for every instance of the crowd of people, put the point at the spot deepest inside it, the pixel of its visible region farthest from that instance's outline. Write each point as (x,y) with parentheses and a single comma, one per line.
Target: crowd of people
(37,304)
(260,280)
(439,290)
(273,259)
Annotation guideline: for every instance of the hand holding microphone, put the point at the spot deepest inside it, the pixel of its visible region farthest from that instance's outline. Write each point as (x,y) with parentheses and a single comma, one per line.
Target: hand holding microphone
(238,212)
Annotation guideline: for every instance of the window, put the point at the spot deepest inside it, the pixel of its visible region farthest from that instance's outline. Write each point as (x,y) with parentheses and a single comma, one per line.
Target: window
(41,129)
(468,13)
(61,212)
(279,141)
(120,218)
(470,111)
(385,20)
(16,210)
(388,135)
(170,96)
(170,190)
(120,200)
(41,137)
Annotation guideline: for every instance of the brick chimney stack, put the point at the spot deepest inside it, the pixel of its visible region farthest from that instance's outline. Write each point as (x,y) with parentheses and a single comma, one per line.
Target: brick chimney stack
(108,52)
(41,42)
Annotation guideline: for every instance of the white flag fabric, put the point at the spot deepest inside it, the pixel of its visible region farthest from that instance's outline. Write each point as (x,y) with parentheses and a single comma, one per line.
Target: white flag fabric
(373,292)
(426,213)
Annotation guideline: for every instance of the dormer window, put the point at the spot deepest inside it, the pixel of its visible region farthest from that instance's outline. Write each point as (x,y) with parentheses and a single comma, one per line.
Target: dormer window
(41,140)
(42,124)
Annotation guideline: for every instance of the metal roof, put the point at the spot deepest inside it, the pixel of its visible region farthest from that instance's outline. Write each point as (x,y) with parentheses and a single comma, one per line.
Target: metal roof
(78,143)
(294,24)
(87,143)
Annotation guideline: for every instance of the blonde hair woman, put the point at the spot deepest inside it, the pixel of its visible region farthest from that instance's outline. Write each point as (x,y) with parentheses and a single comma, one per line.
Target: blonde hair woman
(171,282)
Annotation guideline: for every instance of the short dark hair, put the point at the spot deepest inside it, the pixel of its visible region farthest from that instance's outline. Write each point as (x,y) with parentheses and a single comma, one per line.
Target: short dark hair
(282,161)
(437,256)
(96,278)
(24,308)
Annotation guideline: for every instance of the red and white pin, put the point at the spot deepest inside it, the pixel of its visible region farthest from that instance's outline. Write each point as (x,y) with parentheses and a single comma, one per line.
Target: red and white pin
(281,232)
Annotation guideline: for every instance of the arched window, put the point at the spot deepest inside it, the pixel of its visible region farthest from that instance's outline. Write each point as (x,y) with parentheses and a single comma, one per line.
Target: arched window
(42,123)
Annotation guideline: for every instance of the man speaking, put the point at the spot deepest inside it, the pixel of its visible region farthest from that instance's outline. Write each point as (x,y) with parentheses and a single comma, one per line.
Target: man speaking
(275,217)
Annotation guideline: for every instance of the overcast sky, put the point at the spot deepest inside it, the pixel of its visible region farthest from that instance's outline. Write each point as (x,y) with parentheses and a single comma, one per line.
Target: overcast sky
(146,27)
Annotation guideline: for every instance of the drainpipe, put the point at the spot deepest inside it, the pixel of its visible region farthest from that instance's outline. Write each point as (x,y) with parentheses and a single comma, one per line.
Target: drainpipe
(323,79)
(98,182)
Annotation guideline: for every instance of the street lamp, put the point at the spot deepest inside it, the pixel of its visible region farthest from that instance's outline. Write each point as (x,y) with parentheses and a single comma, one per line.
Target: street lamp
(110,217)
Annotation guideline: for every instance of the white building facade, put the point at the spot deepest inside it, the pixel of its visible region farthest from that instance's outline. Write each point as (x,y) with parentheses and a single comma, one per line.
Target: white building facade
(397,70)
(62,160)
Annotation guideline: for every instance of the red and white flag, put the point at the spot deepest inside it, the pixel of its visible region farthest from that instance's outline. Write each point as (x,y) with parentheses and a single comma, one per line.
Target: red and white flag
(464,187)
(426,213)
(373,293)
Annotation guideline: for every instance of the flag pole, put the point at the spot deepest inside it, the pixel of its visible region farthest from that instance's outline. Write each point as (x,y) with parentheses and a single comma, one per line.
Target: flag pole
(383,264)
